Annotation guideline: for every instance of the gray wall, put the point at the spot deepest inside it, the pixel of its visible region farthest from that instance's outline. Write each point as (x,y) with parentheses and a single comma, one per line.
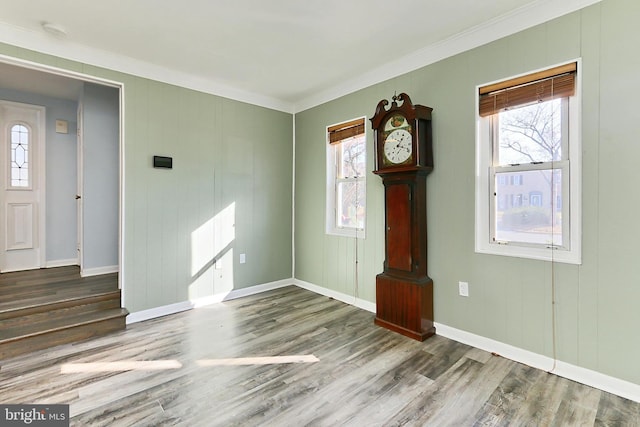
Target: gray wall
(101,170)
(596,309)
(61,172)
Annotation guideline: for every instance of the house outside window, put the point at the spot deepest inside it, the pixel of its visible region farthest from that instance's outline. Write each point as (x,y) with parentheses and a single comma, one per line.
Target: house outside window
(346,183)
(528,148)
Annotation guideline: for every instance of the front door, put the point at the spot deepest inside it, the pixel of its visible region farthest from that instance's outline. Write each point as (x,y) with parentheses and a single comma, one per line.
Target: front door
(21,186)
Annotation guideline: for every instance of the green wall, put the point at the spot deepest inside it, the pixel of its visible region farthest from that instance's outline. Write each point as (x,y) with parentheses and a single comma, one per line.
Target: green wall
(230,188)
(232,155)
(510,299)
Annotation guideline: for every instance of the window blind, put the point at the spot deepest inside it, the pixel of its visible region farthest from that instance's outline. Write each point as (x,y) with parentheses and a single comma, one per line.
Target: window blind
(345,130)
(557,82)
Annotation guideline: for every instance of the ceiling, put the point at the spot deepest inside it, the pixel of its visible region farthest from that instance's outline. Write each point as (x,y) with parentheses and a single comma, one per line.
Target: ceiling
(283,54)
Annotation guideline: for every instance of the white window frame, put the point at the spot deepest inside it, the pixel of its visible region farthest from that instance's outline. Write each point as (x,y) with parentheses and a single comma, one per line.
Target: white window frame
(571,251)
(331,222)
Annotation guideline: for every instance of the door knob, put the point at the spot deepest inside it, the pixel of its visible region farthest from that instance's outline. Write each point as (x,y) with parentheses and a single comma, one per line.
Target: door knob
(78,196)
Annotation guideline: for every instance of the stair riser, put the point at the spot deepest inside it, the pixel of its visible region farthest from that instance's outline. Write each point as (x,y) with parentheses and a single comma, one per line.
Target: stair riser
(60,313)
(51,339)
(50,307)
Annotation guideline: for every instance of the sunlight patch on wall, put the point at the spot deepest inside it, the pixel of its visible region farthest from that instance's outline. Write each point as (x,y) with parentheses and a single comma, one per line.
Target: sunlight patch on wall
(212,239)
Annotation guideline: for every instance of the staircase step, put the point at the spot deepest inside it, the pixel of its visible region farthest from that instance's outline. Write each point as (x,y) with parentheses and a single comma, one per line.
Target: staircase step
(42,318)
(26,338)
(44,305)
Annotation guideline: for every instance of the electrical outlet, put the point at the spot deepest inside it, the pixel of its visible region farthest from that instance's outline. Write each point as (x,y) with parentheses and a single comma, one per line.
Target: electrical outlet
(463,289)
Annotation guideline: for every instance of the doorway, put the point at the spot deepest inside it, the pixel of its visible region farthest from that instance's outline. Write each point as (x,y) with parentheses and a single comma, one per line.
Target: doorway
(37,81)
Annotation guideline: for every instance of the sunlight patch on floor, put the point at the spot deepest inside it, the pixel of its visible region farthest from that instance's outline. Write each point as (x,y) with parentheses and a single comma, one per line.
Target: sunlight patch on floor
(273,360)
(123,365)
(160,365)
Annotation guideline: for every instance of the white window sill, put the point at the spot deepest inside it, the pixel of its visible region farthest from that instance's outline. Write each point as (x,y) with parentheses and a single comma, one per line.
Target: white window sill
(537,253)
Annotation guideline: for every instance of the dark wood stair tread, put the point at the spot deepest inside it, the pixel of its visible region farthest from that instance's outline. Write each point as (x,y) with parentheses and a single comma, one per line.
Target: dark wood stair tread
(40,328)
(47,304)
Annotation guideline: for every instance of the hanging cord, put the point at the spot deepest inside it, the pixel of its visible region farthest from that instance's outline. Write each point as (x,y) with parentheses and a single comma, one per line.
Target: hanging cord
(553,228)
(355,290)
(553,311)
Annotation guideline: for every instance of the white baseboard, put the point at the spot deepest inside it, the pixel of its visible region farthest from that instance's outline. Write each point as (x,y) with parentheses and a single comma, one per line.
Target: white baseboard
(349,299)
(153,313)
(61,263)
(99,270)
(585,376)
(165,310)
(239,293)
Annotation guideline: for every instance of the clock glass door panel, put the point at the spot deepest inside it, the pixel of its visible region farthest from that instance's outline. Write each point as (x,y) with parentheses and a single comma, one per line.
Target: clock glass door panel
(398,236)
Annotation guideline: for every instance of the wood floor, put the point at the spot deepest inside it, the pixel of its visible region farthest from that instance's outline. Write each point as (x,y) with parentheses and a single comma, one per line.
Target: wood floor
(229,364)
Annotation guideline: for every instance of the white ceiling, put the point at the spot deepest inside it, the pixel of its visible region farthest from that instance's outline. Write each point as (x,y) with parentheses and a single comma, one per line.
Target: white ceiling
(283,54)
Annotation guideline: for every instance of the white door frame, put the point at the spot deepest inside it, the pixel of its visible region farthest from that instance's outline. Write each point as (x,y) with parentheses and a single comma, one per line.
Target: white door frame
(79,189)
(105,82)
(39,154)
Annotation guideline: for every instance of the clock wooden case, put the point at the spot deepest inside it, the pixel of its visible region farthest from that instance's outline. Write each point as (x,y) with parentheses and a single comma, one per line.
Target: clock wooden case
(404,158)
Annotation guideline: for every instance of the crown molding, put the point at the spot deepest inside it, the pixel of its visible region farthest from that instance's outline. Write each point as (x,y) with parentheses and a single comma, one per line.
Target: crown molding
(520,19)
(63,48)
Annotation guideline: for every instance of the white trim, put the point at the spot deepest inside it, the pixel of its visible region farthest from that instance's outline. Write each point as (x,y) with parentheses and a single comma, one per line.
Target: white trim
(165,310)
(239,293)
(331,228)
(585,376)
(348,299)
(41,42)
(121,188)
(293,199)
(483,243)
(42,185)
(37,66)
(87,272)
(80,182)
(105,82)
(154,313)
(520,19)
(61,263)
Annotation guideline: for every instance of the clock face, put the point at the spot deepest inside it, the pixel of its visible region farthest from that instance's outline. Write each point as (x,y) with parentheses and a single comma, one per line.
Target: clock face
(398,146)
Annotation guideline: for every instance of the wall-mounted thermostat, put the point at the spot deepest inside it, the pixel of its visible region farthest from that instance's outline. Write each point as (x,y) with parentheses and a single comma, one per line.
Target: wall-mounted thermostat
(163,162)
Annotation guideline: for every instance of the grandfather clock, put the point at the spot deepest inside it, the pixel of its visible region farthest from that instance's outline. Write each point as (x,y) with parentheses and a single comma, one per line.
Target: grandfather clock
(404,158)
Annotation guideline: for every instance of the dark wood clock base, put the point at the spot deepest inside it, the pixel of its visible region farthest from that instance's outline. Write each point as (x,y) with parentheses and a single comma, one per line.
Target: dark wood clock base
(405,306)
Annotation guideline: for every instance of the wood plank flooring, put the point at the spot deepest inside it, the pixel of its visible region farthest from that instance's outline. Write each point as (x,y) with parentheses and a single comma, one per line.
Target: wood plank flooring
(206,367)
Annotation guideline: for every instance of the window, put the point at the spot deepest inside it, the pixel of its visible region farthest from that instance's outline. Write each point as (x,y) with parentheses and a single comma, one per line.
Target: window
(528,178)
(346,185)
(19,156)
